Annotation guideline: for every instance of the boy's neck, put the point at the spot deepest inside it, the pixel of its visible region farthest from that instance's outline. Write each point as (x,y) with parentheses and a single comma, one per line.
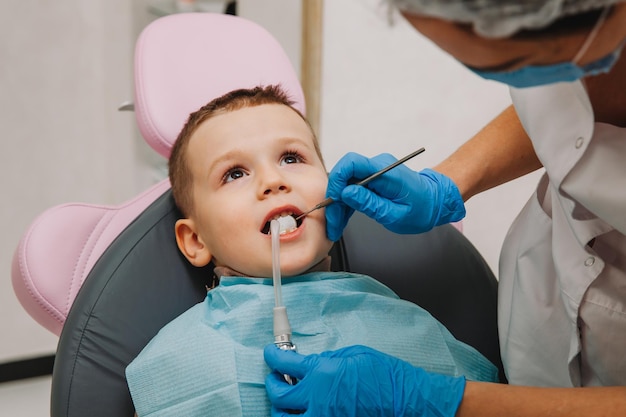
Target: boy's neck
(224,271)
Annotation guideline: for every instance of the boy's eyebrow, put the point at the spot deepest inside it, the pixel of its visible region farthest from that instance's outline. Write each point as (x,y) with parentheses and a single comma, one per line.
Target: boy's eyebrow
(232,154)
(289,140)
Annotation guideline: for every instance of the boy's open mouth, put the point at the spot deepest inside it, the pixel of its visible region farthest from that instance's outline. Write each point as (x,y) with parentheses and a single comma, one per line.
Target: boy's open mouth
(266,227)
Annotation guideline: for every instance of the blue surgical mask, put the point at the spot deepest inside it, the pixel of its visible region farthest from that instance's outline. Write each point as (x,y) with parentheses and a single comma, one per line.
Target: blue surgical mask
(536,75)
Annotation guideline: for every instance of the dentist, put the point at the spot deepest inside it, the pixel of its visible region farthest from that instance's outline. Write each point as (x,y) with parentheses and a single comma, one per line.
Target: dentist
(562,291)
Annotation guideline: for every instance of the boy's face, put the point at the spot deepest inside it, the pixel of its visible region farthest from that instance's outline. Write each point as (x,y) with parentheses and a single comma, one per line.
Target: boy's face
(248,167)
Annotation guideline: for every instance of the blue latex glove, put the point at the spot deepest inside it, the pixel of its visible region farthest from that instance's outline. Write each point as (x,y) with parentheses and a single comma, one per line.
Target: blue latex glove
(402,200)
(357,381)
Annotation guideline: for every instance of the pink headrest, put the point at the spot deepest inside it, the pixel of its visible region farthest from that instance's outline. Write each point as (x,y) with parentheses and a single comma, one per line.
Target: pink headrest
(59,249)
(182,62)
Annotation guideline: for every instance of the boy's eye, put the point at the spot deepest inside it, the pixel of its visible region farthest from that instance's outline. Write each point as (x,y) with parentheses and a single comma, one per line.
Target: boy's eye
(233,174)
(292,158)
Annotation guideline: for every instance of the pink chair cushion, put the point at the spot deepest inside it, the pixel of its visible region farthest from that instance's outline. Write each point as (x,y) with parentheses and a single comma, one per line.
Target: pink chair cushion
(182,62)
(60,247)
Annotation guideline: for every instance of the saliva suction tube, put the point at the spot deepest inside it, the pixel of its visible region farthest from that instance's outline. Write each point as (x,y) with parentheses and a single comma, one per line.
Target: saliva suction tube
(282,328)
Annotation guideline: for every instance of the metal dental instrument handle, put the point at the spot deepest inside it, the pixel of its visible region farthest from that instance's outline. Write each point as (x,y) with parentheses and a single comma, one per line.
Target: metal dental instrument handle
(282,328)
(375,175)
(284,343)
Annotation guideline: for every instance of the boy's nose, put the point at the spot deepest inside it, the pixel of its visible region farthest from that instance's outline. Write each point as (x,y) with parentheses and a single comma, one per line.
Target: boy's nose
(274,189)
(273,181)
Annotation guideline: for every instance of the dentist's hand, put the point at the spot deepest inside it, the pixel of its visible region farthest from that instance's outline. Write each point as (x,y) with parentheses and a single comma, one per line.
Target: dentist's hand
(402,200)
(357,381)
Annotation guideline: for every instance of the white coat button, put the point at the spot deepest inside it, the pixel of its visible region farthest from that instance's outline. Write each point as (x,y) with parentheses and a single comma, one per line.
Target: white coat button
(579,142)
(590,261)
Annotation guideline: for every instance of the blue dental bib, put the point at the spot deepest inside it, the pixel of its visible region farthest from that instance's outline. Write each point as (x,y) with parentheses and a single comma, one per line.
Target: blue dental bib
(209,361)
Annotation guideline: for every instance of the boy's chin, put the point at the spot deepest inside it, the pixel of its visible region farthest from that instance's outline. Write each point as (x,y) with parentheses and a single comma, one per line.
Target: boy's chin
(294,270)
(288,272)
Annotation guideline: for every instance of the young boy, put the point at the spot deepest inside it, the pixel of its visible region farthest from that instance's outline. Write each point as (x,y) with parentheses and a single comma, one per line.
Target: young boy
(240,161)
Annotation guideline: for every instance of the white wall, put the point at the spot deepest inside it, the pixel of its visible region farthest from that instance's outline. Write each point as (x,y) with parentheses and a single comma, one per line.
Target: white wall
(388,89)
(281,18)
(65,67)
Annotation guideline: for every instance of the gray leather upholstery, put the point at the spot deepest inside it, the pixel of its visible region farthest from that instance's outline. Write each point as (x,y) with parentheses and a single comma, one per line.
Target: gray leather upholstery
(143,282)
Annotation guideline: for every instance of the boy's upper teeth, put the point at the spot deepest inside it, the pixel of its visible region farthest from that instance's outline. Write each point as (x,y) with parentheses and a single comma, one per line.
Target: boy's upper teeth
(283,214)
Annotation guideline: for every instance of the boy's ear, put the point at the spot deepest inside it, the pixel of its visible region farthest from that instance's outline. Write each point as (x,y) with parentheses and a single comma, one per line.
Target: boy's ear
(190,244)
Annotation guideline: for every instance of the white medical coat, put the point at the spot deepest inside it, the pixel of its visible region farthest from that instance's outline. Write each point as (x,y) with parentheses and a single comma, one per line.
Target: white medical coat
(562,292)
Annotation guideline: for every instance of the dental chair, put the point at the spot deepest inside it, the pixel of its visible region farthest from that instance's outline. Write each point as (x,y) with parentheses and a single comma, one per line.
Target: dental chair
(107,278)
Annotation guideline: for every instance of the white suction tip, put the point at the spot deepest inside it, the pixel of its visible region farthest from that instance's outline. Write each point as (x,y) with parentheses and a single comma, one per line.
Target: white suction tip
(287,224)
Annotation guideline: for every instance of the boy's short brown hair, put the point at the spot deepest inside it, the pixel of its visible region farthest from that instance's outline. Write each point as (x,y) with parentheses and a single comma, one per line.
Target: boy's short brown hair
(179,172)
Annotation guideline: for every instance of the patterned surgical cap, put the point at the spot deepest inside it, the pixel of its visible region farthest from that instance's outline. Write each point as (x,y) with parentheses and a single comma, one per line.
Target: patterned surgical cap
(501,18)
